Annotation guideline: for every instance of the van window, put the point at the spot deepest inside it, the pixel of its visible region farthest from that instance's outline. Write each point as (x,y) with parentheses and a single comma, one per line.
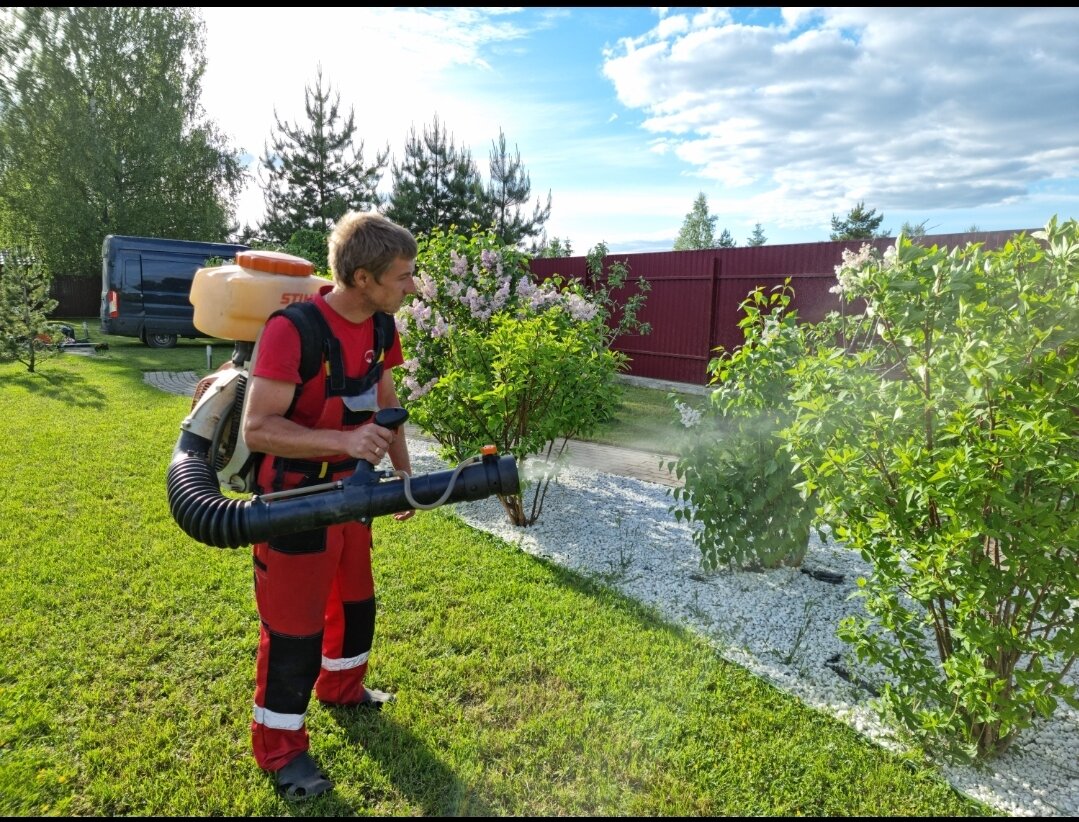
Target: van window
(132,274)
(162,268)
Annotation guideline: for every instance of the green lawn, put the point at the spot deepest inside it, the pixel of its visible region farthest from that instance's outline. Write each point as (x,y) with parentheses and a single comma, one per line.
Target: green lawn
(127,658)
(646,419)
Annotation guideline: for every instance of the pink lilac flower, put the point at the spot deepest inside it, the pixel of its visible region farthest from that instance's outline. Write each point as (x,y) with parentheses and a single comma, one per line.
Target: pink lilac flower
(458,265)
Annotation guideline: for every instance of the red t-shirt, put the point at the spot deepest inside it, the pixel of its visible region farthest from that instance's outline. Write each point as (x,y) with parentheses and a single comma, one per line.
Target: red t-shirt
(279,356)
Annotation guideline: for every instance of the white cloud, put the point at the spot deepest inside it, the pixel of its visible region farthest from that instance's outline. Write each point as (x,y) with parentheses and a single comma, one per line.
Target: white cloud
(903,108)
(783,117)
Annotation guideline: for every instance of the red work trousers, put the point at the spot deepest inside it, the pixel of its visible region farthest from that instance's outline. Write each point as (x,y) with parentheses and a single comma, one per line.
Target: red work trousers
(316,603)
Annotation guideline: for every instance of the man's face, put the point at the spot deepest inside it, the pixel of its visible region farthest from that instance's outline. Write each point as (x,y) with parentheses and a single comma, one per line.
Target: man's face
(388,293)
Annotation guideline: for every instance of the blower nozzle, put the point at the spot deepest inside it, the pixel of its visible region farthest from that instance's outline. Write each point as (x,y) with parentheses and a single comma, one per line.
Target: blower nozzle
(207,515)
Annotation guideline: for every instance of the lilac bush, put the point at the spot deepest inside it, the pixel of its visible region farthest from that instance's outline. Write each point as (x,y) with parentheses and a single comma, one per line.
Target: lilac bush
(493,357)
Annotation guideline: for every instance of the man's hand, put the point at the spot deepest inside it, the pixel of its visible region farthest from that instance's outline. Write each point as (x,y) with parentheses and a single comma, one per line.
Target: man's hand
(369,442)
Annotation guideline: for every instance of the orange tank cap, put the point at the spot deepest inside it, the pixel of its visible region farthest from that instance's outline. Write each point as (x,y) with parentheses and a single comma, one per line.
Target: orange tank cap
(489,450)
(275,262)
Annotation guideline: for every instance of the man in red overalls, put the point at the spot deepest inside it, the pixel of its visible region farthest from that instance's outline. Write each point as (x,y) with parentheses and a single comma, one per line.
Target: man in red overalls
(315,590)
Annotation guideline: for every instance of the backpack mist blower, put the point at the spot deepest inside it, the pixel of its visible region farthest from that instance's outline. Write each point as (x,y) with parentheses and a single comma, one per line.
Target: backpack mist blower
(233,302)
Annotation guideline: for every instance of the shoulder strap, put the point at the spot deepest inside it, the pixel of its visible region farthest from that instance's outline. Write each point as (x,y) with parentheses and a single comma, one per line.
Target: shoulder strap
(385,327)
(317,344)
(314,331)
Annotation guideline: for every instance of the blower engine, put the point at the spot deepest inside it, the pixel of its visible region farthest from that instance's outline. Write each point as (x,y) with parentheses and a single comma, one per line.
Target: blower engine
(210,454)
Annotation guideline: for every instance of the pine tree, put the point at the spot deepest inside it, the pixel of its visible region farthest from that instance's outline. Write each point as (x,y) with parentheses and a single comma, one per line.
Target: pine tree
(315,173)
(507,192)
(555,247)
(859,225)
(913,231)
(726,240)
(698,229)
(24,307)
(436,185)
(757,237)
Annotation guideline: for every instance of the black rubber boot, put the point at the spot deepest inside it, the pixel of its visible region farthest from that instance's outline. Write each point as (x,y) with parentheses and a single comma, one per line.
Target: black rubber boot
(301,779)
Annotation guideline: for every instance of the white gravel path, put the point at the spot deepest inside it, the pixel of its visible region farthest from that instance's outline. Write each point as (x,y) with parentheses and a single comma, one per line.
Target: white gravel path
(778,624)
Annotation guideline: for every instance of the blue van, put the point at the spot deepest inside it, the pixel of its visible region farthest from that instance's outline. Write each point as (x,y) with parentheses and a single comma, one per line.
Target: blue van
(146,284)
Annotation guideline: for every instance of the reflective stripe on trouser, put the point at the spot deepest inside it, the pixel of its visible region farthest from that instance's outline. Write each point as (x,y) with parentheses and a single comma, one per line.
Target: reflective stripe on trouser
(346,644)
(315,596)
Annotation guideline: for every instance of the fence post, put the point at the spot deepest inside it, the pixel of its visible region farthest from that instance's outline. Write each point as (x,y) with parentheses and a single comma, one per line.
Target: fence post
(712,288)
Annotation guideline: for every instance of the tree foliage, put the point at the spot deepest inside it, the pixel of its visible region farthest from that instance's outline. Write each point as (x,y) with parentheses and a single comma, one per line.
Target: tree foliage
(604,279)
(914,230)
(315,173)
(555,247)
(698,229)
(101,132)
(860,224)
(740,487)
(932,427)
(726,240)
(757,237)
(436,185)
(508,192)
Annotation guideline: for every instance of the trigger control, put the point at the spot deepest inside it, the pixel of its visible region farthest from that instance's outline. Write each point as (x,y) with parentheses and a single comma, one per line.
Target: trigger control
(391,418)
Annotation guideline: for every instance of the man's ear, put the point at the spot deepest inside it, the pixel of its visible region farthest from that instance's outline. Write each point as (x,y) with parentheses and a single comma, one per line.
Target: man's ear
(360,276)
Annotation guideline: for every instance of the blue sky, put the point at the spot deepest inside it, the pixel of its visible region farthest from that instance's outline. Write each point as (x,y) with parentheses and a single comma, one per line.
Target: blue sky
(784,117)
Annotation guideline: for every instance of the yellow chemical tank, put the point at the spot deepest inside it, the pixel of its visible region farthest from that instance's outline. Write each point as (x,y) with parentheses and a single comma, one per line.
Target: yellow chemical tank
(232,302)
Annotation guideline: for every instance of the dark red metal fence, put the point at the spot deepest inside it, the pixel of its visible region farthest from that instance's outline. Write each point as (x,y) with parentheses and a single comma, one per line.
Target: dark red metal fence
(693,301)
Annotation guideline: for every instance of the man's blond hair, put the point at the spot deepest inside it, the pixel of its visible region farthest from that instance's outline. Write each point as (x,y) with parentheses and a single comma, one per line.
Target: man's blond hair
(367,240)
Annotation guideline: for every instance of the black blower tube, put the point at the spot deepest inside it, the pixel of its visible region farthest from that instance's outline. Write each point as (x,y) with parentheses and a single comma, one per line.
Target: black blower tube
(207,515)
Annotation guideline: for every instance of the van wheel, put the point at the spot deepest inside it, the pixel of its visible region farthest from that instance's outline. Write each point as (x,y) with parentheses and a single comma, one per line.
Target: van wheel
(160,340)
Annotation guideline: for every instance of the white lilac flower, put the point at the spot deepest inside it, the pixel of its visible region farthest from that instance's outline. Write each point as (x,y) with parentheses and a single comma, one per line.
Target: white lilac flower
(498,301)
(525,288)
(690,416)
(471,300)
(419,390)
(421,313)
(579,308)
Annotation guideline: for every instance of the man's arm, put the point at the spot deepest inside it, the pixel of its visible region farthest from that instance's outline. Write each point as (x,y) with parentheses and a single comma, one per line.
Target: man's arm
(387,398)
(266,429)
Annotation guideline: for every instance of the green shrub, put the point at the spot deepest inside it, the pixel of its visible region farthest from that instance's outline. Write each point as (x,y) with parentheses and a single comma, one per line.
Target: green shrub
(943,444)
(493,358)
(740,485)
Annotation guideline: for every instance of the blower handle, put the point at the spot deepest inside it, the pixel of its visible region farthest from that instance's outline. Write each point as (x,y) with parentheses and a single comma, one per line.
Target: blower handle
(392,418)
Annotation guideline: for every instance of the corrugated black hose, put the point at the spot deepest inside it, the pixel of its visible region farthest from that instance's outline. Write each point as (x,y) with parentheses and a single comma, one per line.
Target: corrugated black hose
(207,515)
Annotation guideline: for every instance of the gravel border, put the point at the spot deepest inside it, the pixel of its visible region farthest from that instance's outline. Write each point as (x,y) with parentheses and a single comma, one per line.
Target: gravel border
(778,624)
